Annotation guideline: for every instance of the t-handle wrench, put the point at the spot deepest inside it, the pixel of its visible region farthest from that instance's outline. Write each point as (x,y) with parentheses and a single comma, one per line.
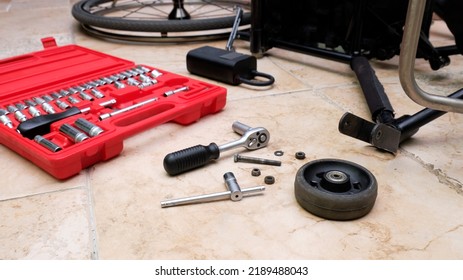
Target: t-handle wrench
(199,155)
(234,192)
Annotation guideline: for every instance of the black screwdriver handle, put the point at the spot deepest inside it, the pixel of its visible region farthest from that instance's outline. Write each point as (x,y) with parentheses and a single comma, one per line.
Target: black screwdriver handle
(41,125)
(190,158)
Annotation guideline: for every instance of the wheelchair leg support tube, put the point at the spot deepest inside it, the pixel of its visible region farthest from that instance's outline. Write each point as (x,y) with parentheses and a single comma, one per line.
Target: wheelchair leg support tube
(377,100)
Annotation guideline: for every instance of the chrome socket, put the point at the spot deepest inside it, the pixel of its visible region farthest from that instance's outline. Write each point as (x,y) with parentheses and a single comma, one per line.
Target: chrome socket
(62,104)
(56,95)
(18,115)
(93,84)
(143,68)
(133,72)
(29,102)
(73,100)
(34,111)
(48,108)
(64,92)
(47,98)
(119,85)
(76,135)
(146,79)
(138,71)
(91,129)
(107,80)
(6,121)
(97,93)
(133,82)
(21,106)
(101,82)
(155,74)
(38,100)
(47,143)
(74,90)
(85,96)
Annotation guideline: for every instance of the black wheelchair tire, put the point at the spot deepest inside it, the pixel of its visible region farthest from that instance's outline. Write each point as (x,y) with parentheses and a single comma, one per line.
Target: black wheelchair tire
(335,204)
(80,11)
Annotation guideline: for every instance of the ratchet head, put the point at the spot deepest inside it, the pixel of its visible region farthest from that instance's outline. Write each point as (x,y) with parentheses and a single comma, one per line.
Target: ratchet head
(255,138)
(252,138)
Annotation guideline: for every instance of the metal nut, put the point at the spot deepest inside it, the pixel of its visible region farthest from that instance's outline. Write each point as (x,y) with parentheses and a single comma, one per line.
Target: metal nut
(269,180)
(279,153)
(255,172)
(300,155)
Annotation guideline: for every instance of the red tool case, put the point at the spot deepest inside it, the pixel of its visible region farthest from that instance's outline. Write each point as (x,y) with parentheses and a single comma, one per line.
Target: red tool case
(113,94)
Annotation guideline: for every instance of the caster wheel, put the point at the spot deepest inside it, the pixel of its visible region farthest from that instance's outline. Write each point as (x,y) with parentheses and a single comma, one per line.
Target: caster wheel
(335,189)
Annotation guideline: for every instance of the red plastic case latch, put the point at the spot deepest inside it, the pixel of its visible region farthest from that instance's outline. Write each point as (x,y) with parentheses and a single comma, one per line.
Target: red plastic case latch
(48,42)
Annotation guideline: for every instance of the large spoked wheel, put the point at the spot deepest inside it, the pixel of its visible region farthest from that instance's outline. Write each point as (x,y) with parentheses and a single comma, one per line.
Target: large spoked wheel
(159,20)
(335,189)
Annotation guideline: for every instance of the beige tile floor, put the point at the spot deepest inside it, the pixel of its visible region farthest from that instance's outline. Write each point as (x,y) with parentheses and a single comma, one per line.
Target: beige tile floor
(112,210)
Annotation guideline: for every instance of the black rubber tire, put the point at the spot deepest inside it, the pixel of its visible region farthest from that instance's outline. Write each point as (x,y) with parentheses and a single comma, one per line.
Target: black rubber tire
(350,200)
(80,12)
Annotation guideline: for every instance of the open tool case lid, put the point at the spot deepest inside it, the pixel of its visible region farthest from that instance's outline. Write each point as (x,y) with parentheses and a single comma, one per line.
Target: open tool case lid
(72,69)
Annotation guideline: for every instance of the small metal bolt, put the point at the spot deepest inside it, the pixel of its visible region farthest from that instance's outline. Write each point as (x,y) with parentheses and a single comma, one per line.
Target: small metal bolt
(240,158)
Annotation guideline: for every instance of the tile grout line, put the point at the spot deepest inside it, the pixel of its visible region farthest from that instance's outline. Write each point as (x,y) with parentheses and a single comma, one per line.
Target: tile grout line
(441,176)
(91,217)
(40,193)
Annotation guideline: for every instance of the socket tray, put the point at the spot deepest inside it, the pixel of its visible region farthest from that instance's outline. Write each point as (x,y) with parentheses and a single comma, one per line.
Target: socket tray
(74,73)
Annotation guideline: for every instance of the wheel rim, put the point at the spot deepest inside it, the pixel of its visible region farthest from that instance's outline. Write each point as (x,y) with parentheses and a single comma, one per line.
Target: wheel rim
(337,176)
(147,21)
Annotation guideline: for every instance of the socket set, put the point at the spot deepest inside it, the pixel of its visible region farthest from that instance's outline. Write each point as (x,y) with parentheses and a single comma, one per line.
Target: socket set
(66,108)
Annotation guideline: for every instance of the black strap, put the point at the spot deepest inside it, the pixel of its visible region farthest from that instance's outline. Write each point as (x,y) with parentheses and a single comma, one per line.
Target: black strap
(270,79)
